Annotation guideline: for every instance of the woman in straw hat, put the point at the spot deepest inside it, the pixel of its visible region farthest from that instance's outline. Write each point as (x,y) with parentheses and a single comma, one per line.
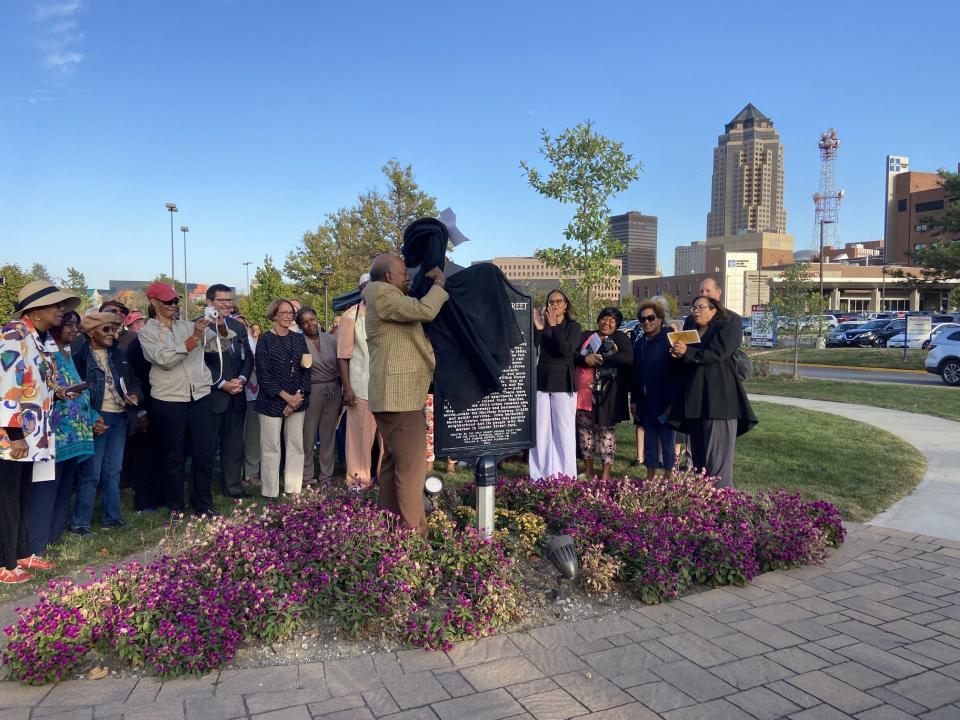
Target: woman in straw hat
(28,387)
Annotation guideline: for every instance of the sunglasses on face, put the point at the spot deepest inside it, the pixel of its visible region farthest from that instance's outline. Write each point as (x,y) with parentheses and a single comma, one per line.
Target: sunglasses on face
(168,303)
(648,318)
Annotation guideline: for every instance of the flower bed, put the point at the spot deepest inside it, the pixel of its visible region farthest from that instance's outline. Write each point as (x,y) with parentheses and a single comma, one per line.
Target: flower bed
(264,573)
(258,577)
(661,537)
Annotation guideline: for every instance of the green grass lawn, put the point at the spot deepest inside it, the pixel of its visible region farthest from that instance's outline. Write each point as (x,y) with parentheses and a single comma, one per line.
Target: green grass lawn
(858,357)
(931,400)
(859,468)
(800,450)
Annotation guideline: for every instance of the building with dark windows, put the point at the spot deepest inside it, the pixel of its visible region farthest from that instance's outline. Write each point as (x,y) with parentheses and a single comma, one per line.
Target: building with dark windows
(638,235)
(917,197)
(690,259)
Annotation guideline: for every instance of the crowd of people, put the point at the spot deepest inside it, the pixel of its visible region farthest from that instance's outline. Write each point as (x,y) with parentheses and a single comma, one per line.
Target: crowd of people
(94,402)
(679,393)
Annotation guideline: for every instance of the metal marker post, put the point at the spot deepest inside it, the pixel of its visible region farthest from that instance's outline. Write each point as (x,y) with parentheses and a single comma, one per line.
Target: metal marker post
(485,477)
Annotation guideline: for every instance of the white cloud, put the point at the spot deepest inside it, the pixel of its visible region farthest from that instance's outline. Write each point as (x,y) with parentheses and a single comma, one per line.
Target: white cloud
(59,39)
(63,8)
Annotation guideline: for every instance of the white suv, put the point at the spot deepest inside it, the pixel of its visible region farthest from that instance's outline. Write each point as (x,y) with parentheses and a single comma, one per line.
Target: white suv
(943,358)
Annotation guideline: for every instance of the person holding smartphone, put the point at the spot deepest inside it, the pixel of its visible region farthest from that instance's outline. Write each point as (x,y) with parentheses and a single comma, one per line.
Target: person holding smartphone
(113,388)
(181,404)
(48,512)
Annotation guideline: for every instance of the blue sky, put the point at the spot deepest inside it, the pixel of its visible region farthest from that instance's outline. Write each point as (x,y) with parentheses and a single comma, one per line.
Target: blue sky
(257,118)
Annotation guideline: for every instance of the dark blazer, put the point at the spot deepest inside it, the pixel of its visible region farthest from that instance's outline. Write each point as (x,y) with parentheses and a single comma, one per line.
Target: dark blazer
(119,367)
(611,406)
(654,378)
(557,346)
(710,388)
(237,362)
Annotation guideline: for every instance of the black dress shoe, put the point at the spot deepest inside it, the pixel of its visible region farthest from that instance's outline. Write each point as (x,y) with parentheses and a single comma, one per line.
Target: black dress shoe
(240,495)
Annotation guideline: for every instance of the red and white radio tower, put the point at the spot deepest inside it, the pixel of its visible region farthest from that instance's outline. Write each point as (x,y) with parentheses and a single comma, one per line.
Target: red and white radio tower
(826,231)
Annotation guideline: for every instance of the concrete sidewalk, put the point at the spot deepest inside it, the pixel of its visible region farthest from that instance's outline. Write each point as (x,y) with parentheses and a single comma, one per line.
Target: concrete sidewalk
(873,634)
(933,507)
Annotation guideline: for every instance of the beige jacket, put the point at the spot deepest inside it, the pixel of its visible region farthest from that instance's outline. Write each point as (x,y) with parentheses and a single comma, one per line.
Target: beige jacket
(175,374)
(401,356)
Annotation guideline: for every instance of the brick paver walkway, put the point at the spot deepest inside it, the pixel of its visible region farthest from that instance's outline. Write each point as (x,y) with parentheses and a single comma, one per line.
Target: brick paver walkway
(872,634)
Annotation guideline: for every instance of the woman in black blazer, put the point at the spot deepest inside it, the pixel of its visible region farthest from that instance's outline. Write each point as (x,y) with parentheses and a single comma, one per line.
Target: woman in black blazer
(713,405)
(556,336)
(603,379)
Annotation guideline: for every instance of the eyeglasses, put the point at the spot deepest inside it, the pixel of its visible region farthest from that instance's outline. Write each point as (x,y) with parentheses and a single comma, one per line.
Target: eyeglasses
(557,301)
(168,303)
(648,318)
(702,307)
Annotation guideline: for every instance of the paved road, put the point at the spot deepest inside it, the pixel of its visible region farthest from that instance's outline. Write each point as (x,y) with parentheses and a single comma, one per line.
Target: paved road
(859,375)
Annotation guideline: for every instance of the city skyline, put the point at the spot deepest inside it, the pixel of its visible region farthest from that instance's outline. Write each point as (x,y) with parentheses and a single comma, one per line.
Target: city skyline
(258,120)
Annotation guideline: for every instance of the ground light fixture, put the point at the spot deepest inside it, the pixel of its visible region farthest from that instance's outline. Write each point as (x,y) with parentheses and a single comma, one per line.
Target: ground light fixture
(432,487)
(562,553)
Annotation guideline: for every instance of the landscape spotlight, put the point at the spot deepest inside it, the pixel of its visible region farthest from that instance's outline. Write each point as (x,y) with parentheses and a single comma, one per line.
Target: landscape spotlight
(562,552)
(432,486)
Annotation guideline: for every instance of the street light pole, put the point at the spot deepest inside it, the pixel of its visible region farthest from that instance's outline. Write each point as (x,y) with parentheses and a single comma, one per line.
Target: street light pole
(186,289)
(820,308)
(325,277)
(883,287)
(247,266)
(172,207)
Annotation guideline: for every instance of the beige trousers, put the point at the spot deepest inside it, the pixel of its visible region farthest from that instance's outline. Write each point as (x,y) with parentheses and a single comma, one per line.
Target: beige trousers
(270,431)
(361,433)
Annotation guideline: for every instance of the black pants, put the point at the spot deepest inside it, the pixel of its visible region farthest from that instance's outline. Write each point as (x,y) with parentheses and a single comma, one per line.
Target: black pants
(144,460)
(15,480)
(178,421)
(228,436)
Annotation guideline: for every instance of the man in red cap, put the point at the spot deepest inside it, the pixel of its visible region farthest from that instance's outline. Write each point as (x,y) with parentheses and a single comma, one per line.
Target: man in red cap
(181,404)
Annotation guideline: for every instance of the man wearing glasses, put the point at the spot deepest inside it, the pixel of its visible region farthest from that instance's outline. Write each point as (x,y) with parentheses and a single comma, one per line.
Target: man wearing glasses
(180,388)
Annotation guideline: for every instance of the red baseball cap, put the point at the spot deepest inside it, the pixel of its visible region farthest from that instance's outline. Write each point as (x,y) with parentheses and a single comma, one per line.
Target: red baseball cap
(132,317)
(161,291)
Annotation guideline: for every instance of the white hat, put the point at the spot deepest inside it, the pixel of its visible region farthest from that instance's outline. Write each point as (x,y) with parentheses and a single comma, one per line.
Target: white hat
(364,279)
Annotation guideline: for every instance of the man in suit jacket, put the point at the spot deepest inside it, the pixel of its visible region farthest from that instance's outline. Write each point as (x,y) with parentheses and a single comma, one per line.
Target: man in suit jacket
(230,367)
(401,368)
(733,325)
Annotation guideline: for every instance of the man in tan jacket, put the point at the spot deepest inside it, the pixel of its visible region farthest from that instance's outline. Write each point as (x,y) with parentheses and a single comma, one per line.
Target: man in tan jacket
(401,369)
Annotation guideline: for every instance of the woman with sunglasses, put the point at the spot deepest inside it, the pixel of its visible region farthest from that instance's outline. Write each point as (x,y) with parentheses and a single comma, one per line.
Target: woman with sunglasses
(181,403)
(653,388)
(113,388)
(711,403)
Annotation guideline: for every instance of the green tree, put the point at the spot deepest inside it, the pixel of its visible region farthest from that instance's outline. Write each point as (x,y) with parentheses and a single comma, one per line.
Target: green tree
(587,169)
(350,238)
(14,278)
(954,298)
(267,286)
(628,306)
(76,283)
(39,271)
(797,297)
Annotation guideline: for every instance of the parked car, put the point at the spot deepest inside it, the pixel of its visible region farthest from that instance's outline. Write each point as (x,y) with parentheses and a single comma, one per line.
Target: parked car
(835,337)
(943,359)
(874,333)
(921,343)
(630,328)
(939,330)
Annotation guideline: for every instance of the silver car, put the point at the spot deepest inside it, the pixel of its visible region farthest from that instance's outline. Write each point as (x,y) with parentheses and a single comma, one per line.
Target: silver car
(943,357)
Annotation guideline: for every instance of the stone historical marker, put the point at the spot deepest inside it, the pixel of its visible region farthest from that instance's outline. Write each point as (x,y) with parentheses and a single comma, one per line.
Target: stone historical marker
(501,423)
